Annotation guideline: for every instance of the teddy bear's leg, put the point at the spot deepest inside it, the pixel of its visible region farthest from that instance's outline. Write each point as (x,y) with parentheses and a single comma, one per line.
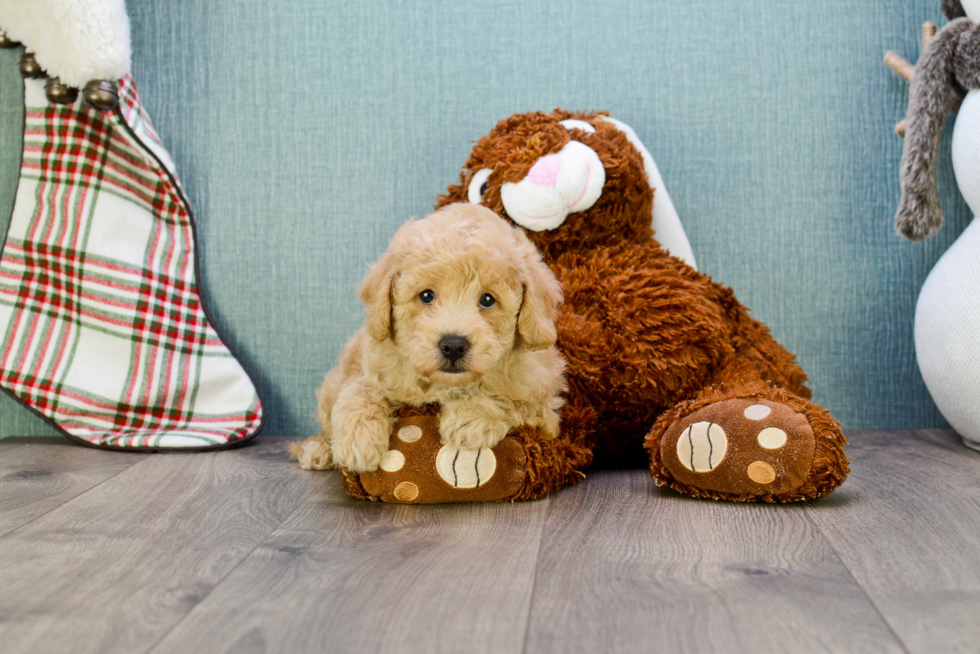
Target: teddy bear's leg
(750,433)
(748,442)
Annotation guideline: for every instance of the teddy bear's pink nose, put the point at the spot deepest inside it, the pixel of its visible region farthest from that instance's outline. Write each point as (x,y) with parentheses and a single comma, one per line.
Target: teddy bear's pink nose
(545,171)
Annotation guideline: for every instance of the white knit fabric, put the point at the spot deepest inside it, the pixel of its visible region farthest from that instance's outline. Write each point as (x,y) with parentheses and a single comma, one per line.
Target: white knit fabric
(947,317)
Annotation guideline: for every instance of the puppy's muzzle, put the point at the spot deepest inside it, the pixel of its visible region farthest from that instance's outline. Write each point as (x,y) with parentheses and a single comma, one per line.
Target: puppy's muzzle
(453,349)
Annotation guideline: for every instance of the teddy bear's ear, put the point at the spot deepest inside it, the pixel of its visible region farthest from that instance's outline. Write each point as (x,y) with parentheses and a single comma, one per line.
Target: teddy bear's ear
(542,295)
(667,227)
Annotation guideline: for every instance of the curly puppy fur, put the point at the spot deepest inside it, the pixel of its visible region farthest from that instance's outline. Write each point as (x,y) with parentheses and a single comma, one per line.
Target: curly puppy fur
(511,374)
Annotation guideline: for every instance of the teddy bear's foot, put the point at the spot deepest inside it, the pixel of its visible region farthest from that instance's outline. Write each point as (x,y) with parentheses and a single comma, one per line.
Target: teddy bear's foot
(420,469)
(770,447)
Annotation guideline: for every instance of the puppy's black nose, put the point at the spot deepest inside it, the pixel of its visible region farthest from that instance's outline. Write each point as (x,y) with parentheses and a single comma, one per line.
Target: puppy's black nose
(453,347)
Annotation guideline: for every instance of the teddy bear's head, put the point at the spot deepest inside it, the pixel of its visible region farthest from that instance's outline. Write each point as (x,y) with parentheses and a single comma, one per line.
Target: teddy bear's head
(571,180)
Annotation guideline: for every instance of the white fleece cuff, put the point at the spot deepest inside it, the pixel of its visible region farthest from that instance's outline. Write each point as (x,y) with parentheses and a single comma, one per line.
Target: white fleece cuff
(76,40)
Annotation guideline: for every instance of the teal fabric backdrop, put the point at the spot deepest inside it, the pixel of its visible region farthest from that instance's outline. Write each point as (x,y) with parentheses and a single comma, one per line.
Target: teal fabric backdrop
(306,131)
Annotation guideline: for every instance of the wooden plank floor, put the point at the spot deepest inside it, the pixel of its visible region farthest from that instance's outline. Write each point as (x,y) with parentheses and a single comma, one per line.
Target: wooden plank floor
(240,551)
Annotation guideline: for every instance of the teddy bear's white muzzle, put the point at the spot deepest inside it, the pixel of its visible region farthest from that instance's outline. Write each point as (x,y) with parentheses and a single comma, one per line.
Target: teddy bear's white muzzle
(557,185)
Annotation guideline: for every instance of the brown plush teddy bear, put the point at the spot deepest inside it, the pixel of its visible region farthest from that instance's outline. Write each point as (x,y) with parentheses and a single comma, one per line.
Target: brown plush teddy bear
(659,356)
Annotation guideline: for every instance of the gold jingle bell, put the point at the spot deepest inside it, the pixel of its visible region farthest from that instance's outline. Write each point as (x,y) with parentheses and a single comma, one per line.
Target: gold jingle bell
(59,93)
(101,94)
(29,66)
(6,41)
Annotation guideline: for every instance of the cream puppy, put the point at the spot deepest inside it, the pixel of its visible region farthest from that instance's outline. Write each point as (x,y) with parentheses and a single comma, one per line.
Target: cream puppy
(460,312)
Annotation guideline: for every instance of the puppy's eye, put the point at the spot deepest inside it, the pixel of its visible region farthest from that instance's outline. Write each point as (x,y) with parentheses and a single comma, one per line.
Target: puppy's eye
(427,297)
(487,301)
(478,186)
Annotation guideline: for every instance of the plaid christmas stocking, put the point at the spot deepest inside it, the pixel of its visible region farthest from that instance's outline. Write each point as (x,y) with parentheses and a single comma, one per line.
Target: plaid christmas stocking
(103,329)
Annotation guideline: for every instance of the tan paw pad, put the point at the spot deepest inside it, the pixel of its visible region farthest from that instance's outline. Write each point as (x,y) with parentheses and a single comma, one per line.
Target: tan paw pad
(465,468)
(772,438)
(406,491)
(410,434)
(393,461)
(761,472)
(702,446)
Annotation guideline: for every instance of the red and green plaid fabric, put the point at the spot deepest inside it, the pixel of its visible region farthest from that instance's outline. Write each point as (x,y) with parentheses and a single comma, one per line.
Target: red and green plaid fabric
(104,332)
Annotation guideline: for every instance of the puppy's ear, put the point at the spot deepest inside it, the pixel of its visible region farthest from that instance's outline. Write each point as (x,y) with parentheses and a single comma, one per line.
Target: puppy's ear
(375,293)
(542,295)
(376,289)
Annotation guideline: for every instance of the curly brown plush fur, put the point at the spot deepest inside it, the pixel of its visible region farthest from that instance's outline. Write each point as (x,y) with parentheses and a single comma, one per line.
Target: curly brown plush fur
(647,338)
(553,463)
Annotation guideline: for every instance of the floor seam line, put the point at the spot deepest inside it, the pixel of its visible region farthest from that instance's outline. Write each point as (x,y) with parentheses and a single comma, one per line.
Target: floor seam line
(874,605)
(534,578)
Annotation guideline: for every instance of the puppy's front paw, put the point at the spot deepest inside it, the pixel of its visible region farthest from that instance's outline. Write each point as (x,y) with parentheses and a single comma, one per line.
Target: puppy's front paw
(471,433)
(361,448)
(550,424)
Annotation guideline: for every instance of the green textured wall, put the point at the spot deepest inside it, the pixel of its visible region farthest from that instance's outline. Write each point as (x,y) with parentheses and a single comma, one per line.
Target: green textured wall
(306,131)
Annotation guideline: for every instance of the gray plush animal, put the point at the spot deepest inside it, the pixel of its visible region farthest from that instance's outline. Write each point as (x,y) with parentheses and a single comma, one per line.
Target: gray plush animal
(947,316)
(949,66)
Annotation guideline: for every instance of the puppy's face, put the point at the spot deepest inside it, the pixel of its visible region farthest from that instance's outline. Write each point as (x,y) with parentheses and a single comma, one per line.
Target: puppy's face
(455,318)
(457,292)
